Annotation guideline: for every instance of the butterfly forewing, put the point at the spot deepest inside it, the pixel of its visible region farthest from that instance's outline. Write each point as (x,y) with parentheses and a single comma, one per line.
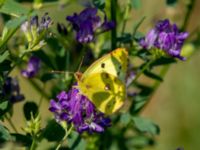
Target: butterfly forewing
(114,63)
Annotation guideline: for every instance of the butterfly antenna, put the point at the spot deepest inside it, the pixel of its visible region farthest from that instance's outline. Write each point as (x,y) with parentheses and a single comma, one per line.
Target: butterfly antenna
(79,67)
(61,72)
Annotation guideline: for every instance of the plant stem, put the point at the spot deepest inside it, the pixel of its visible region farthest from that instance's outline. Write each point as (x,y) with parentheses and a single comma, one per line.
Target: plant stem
(190,7)
(18,61)
(11,123)
(143,69)
(113,18)
(66,135)
(157,83)
(33,144)
(42,96)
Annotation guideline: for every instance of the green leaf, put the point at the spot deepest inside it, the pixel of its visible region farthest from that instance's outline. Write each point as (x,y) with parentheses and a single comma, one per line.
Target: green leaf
(9,29)
(13,8)
(4,56)
(152,75)
(163,61)
(99,3)
(76,142)
(171,2)
(125,118)
(146,126)
(4,134)
(139,141)
(5,66)
(49,76)
(139,104)
(136,4)
(20,139)
(30,108)
(53,131)
(136,26)
(4,107)
(125,38)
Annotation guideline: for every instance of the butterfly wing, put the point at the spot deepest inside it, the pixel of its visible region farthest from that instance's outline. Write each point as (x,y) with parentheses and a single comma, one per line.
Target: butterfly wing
(114,63)
(104,90)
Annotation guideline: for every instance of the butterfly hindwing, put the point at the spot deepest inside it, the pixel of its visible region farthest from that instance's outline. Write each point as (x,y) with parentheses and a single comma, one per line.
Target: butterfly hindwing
(104,90)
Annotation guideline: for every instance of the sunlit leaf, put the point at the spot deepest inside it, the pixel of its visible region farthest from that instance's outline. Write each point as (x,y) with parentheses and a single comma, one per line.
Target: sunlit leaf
(9,29)
(13,8)
(4,56)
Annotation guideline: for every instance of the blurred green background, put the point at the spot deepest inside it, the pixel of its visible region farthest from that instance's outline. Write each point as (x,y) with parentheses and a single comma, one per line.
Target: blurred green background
(175,107)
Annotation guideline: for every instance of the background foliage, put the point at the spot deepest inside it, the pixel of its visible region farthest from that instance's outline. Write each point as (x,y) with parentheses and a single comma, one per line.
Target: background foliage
(174,106)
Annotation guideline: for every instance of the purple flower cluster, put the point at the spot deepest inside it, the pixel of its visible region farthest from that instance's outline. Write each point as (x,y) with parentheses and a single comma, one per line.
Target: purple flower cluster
(75,108)
(43,24)
(165,36)
(32,67)
(11,90)
(87,22)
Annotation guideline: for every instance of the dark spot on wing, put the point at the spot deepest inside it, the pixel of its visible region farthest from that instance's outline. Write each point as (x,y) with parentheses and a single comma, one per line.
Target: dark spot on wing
(88,86)
(120,67)
(118,73)
(103,65)
(106,75)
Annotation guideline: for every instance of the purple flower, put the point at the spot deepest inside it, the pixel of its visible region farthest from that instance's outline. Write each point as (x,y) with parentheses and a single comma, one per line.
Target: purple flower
(86,23)
(75,108)
(11,90)
(165,36)
(32,67)
(43,24)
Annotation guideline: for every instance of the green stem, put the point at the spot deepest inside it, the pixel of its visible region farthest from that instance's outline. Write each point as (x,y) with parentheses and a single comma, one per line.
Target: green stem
(113,18)
(11,123)
(64,138)
(42,96)
(18,61)
(123,26)
(156,85)
(190,7)
(33,144)
(146,66)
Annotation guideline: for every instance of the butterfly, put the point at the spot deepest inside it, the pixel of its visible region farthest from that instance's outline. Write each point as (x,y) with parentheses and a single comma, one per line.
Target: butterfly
(103,83)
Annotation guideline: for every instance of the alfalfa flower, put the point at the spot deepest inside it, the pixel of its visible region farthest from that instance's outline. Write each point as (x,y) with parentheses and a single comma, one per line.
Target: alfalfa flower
(36,30)
(75,108)
(166,37)
(87,22)
(32,67)
(11,90)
